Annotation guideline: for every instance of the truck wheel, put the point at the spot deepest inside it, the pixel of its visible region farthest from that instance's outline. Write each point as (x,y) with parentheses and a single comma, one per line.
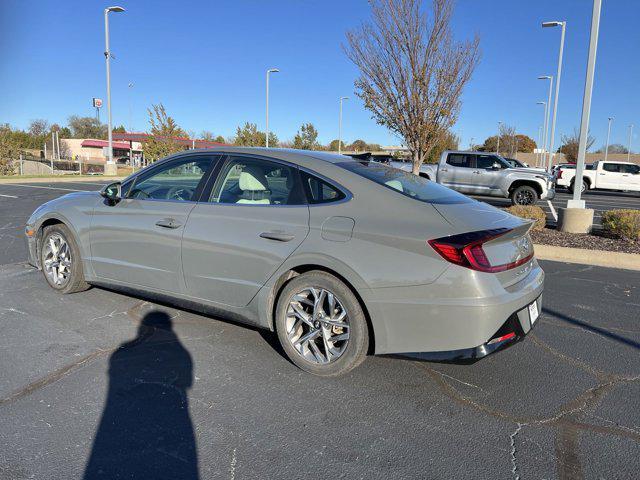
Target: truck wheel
(584,187)
(524,195)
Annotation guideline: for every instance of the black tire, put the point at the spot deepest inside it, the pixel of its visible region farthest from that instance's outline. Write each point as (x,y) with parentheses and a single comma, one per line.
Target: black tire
(357,344)
(524,195)
(585,187)
(74,281)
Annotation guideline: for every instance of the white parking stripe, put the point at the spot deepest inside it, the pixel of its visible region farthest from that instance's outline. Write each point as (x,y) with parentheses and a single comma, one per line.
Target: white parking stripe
(8,196)
(47,188)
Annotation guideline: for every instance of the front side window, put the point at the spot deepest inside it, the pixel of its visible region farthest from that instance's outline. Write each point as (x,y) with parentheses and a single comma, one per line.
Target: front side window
(254,181)
(408,184)
(177,180)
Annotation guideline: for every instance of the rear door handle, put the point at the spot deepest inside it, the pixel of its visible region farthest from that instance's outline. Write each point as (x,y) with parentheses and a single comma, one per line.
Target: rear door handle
(168,223)
(278,236)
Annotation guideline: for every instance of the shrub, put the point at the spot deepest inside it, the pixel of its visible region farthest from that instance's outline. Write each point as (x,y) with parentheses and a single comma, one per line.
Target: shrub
(624,223)
(530,212)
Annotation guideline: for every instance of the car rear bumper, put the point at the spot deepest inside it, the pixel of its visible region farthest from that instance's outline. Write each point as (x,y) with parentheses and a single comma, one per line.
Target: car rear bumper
(457,315)
(517,326)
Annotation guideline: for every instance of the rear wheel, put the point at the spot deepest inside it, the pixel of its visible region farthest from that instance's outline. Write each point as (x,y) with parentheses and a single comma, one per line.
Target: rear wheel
(321,325)
(524,195)
(584,187)
(61,261)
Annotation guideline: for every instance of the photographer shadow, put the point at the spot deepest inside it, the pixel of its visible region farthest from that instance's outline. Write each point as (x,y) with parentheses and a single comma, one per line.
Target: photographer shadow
(146,429)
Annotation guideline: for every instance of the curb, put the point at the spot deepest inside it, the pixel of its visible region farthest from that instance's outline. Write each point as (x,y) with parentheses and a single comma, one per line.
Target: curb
(60,179)
(598,258)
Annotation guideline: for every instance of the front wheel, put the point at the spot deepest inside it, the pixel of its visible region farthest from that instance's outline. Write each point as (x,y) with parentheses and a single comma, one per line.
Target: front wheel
(524,195)
(321,325)
(61,261)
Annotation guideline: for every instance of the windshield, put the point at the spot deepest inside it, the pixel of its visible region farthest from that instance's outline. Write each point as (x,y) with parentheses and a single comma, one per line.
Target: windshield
(406,183)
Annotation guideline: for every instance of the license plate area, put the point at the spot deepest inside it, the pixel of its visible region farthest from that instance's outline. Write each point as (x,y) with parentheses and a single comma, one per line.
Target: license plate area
(533,312)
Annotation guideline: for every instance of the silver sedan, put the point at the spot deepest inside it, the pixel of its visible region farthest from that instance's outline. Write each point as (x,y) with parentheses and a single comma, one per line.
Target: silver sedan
(340,257)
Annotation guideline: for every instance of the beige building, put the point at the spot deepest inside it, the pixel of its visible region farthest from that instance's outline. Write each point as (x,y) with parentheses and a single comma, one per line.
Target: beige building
(92,150)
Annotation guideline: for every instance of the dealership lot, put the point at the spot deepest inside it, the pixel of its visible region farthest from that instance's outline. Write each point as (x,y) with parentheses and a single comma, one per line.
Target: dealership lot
(219,398)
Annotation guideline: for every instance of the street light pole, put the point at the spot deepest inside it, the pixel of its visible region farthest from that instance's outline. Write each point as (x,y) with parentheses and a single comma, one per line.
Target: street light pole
(498,143)
(544,131)
(340,126)
(270,71)
(539,143)
(558,75)
(107,55)
(130,108)
(546,120)
(629,143)
(576,202)
(606,150)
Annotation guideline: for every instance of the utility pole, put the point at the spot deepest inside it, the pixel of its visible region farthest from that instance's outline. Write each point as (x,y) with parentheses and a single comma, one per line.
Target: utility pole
(629,143)
(110,167)
(498,143)
(270,71)
(606,150)
(340,126)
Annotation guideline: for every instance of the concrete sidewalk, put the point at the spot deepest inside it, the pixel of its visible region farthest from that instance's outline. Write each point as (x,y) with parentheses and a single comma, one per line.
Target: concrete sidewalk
(61,179)
(599,258)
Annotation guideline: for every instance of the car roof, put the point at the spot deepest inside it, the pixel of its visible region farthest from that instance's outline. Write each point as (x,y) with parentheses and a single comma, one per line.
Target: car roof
(288,154)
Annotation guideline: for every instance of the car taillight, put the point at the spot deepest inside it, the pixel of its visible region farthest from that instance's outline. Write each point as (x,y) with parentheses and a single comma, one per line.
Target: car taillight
(560,173)
(466,250)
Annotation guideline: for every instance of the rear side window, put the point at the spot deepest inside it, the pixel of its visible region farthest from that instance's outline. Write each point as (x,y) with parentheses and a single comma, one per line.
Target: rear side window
(611,167)
(319,191)
(408,184)
(630,169)
(459,160)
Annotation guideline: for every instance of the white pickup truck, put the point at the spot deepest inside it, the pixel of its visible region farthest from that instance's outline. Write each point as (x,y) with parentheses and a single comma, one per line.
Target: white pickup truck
(481,173)
(622,176)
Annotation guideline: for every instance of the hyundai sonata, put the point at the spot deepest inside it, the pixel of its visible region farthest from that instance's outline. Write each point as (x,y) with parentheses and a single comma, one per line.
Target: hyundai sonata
(339,257)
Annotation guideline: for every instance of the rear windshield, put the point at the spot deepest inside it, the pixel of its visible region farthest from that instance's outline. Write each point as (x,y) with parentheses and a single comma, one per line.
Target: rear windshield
(406,183)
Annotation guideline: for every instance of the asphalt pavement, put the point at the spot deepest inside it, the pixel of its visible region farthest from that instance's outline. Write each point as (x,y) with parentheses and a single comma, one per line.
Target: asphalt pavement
(104,385)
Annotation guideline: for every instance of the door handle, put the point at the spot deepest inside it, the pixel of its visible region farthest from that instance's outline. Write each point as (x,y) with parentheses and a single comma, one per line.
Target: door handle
(477,171)
(168,223)
(444,170)
(278,236)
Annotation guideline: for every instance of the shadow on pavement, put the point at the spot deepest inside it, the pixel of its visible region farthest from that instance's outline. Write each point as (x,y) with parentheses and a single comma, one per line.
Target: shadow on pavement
(146,429)
(593,328)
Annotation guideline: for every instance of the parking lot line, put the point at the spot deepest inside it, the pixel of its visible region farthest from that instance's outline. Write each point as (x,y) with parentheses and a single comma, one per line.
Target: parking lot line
(8,196)
(41,186)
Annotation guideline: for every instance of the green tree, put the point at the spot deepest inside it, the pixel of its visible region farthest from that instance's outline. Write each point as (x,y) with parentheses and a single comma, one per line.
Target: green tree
(87,127)
(163,134)
(333,145)
(306,138)
(359,146)
(9,150)
(220,139)
(120,129)
(510,142)
(249,136)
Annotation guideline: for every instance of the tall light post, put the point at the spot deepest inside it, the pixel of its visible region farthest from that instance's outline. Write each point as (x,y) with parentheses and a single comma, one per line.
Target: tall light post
(546,118)
(131,85)
(340,126)
(606,150)
(539,143)
(558,75)
(498,142)
(544,130)
(576,202)
(110,168)
(629,143)
(269,72)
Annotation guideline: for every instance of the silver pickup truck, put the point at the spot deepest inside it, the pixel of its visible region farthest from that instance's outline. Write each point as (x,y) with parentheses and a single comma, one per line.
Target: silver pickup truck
(480,173)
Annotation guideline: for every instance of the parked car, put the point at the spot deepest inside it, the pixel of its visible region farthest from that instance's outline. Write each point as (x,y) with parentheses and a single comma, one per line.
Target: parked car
(515,163)
(340,257)
(622,176)
(480,173)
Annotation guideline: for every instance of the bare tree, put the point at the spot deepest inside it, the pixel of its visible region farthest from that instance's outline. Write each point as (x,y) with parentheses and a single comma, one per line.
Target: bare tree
(412,71)
(570,145)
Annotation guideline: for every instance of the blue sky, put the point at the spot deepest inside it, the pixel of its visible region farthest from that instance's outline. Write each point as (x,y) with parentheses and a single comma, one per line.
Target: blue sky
(205,60)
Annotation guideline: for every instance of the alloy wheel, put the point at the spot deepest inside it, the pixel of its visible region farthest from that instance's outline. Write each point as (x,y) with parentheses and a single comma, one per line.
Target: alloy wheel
(524,197)
(317,325)
(56,260)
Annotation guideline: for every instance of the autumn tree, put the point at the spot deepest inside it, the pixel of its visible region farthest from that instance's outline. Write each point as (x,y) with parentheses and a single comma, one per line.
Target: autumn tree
(306,138)
(164,131)
(412,70)
(570,145)
(39,127)
(358,146)
(448,141)
(613,148)
(8,150)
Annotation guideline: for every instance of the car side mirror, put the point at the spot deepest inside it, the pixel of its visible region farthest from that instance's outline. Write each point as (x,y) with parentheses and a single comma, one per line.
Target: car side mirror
(495,166)
(112,192)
